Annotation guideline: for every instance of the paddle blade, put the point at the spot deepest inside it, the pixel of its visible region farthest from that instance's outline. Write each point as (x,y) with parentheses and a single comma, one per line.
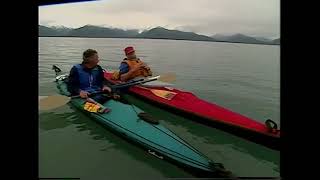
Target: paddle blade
(52,102)
(169,77)
(42,97)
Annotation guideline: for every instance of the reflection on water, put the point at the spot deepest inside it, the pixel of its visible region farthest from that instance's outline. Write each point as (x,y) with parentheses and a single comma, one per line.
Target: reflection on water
(109,144)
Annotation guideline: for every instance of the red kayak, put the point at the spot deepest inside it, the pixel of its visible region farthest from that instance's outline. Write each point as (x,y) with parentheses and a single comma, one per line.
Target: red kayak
(188,105)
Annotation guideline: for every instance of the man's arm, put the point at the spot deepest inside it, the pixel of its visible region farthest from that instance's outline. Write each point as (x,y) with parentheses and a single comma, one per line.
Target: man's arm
(101,79)
(102,82)
(125,73)
(73,82)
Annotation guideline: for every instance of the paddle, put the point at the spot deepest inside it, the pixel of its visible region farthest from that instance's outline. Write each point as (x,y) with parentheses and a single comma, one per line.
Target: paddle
(54,101)
(132,83)
(168,77)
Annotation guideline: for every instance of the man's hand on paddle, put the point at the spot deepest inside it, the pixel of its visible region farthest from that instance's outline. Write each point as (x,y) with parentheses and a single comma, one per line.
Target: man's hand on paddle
(145,66)
(106,89)
(141,66)
(84,94)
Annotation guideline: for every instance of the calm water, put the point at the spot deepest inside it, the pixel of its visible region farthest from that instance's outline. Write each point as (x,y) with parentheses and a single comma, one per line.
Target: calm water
(241,77)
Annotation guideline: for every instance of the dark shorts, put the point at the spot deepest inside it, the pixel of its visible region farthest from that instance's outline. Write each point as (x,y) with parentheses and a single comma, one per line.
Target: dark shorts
(100,98)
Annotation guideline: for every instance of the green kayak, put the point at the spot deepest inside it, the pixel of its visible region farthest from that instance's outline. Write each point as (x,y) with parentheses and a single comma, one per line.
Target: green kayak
(124,120)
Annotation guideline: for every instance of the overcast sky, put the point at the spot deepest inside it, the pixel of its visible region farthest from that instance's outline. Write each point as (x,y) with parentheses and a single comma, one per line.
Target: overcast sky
(208,17)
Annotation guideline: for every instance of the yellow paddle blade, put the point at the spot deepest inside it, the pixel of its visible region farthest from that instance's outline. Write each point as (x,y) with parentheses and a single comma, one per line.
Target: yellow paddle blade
(52,102)
(163,93)
(169,77)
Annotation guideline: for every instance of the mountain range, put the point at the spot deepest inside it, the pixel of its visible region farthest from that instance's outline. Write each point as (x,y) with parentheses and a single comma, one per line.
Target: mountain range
(154,33)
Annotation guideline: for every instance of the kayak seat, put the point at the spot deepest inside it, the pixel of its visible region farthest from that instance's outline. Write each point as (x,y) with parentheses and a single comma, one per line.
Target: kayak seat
(148,118)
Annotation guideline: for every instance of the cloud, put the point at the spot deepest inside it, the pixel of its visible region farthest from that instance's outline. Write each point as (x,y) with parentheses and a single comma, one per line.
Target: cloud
(46,22)
(252,17)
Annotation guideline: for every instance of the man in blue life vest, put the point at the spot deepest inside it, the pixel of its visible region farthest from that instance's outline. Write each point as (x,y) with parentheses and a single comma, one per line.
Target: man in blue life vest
(88,77)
